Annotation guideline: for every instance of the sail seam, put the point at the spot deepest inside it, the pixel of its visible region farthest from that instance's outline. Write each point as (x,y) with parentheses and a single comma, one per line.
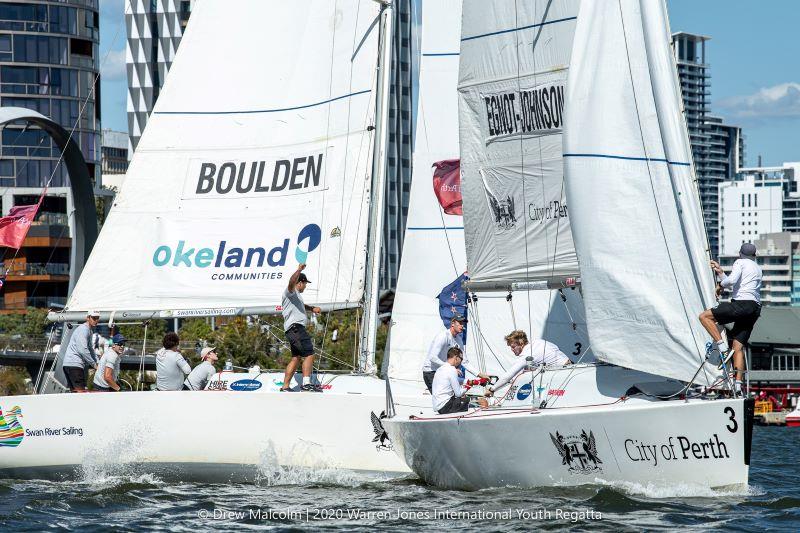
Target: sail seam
(632,158)
(521,28)
(254,111)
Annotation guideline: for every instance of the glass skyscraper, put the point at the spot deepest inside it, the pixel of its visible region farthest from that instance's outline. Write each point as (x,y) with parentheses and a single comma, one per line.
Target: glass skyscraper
(49,59)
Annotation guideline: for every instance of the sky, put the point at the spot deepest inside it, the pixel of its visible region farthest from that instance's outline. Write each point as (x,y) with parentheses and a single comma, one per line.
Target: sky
(754,54)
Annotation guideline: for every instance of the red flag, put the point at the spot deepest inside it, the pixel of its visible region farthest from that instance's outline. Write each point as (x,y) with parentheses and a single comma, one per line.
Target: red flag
(447,185)
(14,227)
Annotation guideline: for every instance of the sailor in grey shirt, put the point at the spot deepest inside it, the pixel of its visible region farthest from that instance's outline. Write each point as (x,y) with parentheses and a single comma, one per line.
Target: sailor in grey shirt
(200,375)
(79,356)
(171,367)
(294,325)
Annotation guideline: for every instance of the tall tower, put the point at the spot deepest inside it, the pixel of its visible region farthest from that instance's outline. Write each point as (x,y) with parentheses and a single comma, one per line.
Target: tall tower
(717,149)
(154,30)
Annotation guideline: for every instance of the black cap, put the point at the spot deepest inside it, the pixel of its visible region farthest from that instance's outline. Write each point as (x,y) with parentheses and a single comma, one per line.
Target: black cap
(748,250)
(302,277)
(458,317)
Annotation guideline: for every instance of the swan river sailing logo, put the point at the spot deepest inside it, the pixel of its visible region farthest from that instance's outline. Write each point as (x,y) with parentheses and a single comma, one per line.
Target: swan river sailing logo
(11,431)
(578,452)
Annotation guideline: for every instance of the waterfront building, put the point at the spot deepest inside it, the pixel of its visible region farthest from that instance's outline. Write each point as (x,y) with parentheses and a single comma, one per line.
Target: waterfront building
(748,207)
(114,158)
(717,148)
(48,63)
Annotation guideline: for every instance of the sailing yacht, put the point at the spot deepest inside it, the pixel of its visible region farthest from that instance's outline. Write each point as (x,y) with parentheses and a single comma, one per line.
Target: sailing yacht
(577,176)
(266,149)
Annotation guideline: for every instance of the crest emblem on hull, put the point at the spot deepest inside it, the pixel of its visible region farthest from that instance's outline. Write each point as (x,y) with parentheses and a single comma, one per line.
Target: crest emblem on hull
(578,452)
(11,432)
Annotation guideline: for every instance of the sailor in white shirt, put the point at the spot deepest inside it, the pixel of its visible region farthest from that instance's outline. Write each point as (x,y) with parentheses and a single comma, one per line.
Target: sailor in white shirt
(743,310)
(540,351)
(437,351)
(199,376)
(448,394)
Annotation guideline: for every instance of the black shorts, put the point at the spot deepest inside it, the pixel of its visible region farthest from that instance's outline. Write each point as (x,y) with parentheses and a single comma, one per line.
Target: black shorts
(76,377)
(455,405)
(427,377)
(743,314)
(299,341)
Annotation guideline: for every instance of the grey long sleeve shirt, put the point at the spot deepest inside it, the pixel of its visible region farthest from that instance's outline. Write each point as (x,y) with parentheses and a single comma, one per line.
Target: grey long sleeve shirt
(79,350)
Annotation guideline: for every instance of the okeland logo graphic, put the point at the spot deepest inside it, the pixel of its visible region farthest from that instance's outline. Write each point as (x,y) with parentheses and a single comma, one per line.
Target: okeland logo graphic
(226,255)
(11,432)
(578,452)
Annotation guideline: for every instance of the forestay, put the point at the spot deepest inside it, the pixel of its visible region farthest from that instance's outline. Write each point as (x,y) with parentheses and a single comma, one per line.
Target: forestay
(635,210)
(514,62)
(257,157)
(433,248)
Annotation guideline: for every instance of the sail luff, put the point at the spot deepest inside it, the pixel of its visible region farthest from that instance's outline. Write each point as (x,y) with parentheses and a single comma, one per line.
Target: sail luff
(366,362)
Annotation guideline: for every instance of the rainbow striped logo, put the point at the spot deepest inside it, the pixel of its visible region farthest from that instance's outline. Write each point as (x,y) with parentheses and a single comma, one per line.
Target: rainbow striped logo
(11,432)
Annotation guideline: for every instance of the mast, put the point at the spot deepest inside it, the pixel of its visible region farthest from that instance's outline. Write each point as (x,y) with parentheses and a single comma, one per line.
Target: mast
(366,360)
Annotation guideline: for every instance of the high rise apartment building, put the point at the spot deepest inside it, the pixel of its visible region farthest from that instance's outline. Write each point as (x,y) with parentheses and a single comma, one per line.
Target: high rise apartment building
(717,149)
(48,63)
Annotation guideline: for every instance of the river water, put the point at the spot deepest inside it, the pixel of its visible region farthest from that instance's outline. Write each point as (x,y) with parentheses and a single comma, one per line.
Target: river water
(288,499)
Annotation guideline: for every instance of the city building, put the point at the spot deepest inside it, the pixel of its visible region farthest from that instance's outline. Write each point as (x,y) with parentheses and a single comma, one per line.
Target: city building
(48,63)
(154,29)
(154,33)
(717,148)
(748,207)
(114,158)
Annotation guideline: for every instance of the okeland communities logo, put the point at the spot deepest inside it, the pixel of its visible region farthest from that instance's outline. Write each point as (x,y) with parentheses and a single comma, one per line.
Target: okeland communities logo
(578,452)
(11,432)
(226,257)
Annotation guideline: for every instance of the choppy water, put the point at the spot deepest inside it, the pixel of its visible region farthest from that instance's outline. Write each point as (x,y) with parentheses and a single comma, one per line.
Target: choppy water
(285,499)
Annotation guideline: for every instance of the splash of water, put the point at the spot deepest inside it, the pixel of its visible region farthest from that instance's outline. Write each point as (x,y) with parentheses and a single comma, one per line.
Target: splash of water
(681,490)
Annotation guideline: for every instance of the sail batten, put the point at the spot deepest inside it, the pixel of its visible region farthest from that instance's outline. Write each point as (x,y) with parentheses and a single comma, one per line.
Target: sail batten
(258,156)
(637,223)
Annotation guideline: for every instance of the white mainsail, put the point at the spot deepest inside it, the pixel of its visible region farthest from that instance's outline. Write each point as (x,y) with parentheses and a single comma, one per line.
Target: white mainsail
(635,210)
(434,251)
(258,156)
(514,62)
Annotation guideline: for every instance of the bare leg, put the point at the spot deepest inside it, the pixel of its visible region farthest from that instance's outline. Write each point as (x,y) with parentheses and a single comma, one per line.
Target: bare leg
(290,370)
(738,359)
(710,325)
(308,365)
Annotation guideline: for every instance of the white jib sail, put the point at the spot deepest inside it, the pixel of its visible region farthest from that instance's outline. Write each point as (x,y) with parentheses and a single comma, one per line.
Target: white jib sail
(514,62)
(433,248)
(635,210)
(257,157)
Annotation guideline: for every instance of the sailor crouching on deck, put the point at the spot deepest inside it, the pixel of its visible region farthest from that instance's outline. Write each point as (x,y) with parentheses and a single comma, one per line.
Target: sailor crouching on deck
(171,367)
(107,374)
(540,351)
(80,356)
(438,350)
(200,374)
(294,325)
(448,394)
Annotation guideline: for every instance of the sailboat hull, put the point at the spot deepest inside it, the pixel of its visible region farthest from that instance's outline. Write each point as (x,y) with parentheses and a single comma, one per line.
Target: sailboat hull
(651,443)
(202,435)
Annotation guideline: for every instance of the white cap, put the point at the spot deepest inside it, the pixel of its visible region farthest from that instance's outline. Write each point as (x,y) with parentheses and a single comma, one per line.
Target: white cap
(93,313)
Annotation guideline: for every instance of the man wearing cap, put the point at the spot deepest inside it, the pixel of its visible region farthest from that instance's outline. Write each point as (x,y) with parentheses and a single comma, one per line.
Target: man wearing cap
(200,375)
(79,356)
(743,309)
(294,325)
(437,351)
(107,374)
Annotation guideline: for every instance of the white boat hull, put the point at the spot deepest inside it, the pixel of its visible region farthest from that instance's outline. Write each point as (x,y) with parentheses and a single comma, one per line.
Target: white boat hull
(637,443)
(202,435)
